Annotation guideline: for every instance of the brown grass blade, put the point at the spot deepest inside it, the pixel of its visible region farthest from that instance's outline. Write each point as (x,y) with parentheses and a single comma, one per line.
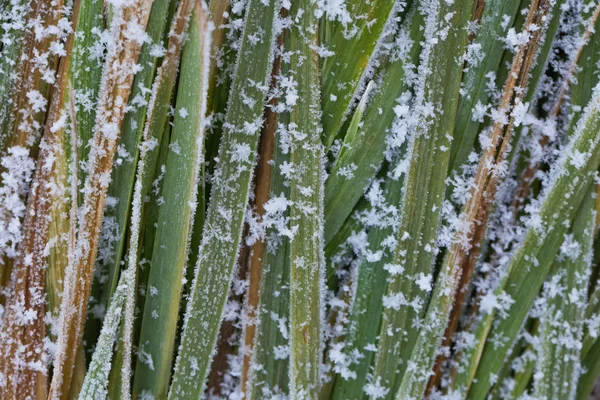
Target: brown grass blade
(115,89)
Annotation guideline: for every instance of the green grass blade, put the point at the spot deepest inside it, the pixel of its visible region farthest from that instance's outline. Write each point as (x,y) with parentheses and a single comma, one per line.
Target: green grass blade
(558,366)
(229,196)
(85,75)
(354,44)
(367,306)
(487,49)
(591,366)
(362,154)
(269,374)
(436,104)
(123,172)
(161,309)
(530,264)
(306,208)
(14,18)
(95,383)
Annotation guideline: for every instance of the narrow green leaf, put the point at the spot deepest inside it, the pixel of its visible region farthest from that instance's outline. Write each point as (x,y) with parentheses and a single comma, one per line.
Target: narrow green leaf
(437,96)
(591,366)
(161,309)
(529,266)
(96,380)
(353,40)
(229,196)
(85,74)
(306,209)
(558,366)
(361,155)
(14,19)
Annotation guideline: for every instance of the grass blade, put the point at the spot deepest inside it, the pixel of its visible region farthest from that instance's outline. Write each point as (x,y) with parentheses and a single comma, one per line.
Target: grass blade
(354,40)
(230,192)
(174,225)
(436,105)
(116,86)
(14,18)
(362,154)
(559,203)
(591,366)
(85,75)
(306,207)
(96,380)
(558,366)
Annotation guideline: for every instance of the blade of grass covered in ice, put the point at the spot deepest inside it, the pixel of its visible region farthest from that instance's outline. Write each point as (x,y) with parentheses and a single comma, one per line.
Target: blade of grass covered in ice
(218,15)
(134,123)
(174,225)
(229,196)
(268,375)
(96,379)
(264,177)
(31,90)
(153,135)
(28,99)
(529,266)
(558,366)
(14,17)
(85,74)
(484,58)
(306,206)
(592,316)
(356,31)
(435,107)
(371,281)
(117,77)
(591,368)
(467,238)
(362,153)
(27,290)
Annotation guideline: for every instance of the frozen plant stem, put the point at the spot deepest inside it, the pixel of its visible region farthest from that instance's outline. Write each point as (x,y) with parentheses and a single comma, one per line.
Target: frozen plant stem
(176,215)
(464,249)
(409,284)
(306,208)
(117,77)
(230,191)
